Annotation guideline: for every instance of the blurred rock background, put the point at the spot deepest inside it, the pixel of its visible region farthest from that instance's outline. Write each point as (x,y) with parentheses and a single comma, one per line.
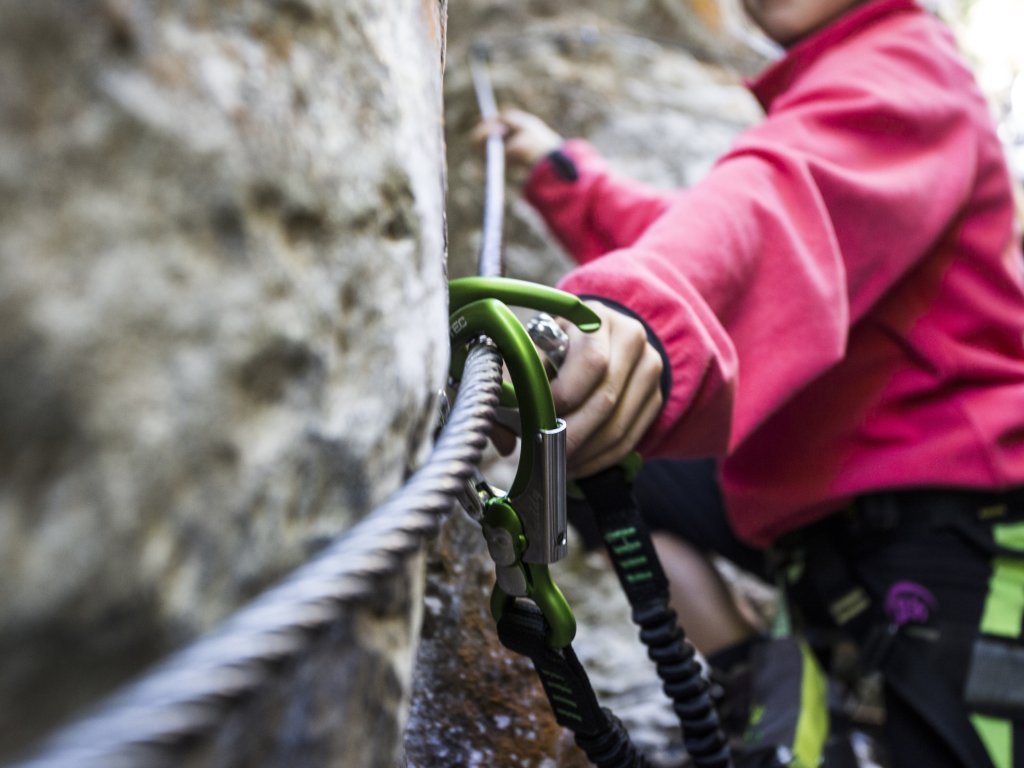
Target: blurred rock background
(655,85)
(222,330)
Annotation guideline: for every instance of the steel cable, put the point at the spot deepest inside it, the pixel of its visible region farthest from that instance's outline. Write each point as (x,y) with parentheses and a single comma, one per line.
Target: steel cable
(489,263)
(188,695)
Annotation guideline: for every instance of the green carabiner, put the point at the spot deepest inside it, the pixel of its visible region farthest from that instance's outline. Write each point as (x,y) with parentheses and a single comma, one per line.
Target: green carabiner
(521,519)
(491,318)
(520,293)
(516,578)
(516,293)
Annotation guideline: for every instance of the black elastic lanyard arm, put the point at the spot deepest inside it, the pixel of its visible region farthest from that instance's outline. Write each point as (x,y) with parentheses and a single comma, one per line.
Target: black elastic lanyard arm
(617,515)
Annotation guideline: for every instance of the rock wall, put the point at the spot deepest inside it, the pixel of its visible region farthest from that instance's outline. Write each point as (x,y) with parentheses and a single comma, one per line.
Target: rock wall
(222,328)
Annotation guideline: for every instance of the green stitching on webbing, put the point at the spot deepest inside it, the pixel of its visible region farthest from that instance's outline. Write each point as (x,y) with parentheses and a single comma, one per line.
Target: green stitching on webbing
(634,578)
(571,715)
(620,533)
(566,700)
(634,562)
(621,541)
(560,687)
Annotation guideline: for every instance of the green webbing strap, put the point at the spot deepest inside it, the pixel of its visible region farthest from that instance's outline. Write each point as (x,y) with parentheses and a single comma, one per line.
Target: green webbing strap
(522,628)
(813,724)
(625,534)
(609,494)
(1002,617)
(774,722)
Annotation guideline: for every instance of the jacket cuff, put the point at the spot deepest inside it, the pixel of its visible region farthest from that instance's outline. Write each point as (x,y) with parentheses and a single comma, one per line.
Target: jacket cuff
(564,165)
(665,384)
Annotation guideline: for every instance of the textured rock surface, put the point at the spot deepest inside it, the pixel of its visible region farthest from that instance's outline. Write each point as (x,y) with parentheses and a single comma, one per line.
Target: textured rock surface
(222,325)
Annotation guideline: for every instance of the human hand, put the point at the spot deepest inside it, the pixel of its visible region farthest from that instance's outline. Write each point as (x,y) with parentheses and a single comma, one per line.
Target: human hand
(608,390)
(528,139)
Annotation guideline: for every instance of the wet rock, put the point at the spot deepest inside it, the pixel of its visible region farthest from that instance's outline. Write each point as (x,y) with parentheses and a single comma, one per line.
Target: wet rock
(475,703)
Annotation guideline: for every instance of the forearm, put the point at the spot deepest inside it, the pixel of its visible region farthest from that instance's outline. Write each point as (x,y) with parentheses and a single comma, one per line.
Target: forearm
(729,285)
(589,209)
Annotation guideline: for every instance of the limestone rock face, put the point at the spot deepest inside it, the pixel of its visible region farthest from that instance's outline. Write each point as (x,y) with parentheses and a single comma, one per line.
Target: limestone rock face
(222,328)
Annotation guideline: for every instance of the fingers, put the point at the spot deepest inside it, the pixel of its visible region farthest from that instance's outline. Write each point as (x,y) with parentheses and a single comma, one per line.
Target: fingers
(620,434)
(488,127)
(608,391)
(528,139)
(584,369)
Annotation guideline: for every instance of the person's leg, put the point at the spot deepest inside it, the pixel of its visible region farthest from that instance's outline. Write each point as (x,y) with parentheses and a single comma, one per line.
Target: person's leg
(682,504)
(700,597)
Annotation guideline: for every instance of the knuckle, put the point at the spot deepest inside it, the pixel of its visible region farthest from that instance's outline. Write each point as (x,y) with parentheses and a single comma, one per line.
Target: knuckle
(651,363)
(595,359)
(635,331)
(605,400)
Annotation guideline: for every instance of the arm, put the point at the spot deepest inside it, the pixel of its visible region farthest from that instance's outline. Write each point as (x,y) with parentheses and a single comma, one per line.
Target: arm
(586,207)
(589,210)
(752,279)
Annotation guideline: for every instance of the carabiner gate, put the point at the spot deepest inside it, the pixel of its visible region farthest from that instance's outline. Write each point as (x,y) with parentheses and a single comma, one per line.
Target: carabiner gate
(526,530)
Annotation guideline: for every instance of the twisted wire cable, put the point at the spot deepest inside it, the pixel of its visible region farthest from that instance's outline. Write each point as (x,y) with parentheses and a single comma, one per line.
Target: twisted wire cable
(188,695)
(489,262)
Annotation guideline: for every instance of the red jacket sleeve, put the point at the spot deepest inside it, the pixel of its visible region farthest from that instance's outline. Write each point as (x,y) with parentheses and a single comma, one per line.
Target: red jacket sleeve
(753,277)
(597,212)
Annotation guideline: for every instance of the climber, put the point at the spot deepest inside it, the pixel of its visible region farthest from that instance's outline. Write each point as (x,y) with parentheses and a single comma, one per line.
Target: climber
(818,348)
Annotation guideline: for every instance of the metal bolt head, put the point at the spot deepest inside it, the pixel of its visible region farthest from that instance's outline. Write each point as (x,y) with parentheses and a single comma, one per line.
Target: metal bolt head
(550,340)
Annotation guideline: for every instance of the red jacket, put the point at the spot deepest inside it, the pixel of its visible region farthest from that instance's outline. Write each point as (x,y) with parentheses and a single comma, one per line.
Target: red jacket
(840,298)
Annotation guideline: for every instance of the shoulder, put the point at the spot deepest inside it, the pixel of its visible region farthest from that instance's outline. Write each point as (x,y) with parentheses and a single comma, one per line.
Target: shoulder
(901,57)
(892,50)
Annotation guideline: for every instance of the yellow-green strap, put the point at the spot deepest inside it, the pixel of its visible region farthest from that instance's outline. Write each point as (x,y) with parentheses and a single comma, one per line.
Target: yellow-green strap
(1002,616)
(813,723)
